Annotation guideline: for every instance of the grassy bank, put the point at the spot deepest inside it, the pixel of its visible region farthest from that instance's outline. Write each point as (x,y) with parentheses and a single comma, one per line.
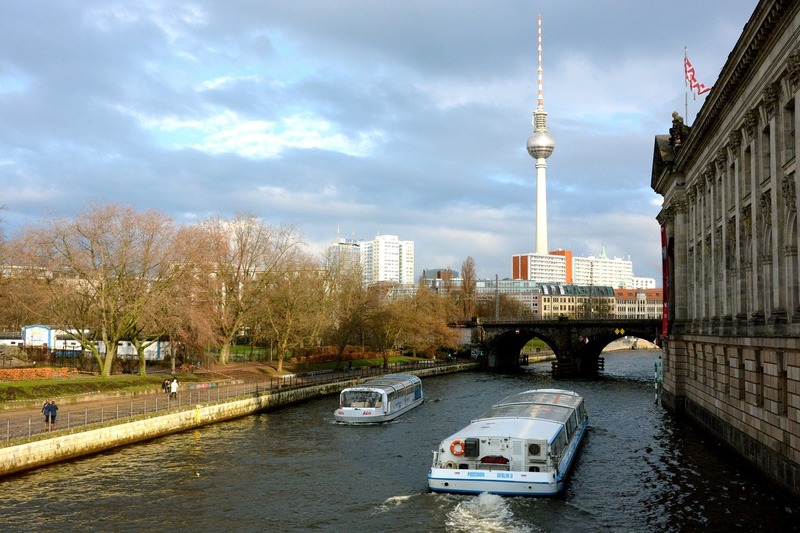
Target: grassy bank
(82,384)
(79,384)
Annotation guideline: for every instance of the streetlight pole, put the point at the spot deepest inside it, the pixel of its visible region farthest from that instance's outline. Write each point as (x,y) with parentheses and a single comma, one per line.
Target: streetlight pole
(496,297)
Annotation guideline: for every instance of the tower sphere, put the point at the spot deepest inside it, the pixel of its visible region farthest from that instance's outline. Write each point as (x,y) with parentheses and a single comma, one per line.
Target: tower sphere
(541,144)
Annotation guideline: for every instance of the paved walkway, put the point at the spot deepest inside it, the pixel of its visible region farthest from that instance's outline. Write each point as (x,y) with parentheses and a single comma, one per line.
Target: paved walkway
(223,384)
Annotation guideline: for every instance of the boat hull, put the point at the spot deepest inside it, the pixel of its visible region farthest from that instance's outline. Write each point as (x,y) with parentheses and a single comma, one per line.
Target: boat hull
(371,416)
(500,483)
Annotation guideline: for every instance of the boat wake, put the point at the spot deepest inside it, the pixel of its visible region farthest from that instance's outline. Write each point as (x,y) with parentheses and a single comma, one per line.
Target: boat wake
(392,502)
(397,500)
(486,512)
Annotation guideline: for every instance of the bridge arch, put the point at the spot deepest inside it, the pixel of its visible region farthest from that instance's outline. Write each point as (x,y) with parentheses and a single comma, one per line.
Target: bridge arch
(577,344)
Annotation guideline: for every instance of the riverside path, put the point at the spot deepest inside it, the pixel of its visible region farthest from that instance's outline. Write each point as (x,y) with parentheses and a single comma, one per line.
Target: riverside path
(22,421)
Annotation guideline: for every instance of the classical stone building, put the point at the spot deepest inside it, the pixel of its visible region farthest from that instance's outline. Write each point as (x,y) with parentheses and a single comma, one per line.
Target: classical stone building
(730,235)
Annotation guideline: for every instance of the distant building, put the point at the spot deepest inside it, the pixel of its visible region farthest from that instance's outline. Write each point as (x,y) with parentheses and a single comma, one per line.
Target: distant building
(560,266)
(387,258)
(639,303)
(601,270)
(541,268)
(441,278)
(343,252)
(59,340)
(574,301)
(643,283)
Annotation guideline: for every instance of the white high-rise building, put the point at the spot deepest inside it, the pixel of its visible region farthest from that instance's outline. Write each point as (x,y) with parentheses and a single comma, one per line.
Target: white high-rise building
(541,268)
(387,258)
(343,252)
(616,272)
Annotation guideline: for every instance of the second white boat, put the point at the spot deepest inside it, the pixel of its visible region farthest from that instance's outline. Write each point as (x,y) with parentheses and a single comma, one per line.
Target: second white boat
(380,399)
(523,446)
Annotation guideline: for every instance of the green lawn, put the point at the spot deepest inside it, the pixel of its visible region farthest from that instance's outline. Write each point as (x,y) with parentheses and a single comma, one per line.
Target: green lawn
(58,388)
(41,389)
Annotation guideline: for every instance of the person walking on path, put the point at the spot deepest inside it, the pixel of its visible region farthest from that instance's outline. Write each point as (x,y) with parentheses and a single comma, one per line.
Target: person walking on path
(173,388)
(50,414)
(166,386)
(46,413)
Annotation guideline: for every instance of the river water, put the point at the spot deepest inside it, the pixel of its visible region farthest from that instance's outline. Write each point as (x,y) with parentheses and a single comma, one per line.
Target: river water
(295,469)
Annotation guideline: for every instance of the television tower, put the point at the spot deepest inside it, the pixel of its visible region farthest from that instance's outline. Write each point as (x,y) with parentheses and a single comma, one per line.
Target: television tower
(540,146)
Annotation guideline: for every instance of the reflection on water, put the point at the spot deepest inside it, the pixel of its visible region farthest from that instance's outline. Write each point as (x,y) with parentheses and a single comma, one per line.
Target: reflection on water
(295,469)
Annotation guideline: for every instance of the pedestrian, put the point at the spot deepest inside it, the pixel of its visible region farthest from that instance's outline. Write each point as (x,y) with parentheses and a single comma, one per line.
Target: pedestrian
(165,386)
(52,410)
(46,413)
(173,388)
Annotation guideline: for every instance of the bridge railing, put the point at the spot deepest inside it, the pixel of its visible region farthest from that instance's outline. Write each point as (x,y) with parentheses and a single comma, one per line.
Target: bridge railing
(533,319)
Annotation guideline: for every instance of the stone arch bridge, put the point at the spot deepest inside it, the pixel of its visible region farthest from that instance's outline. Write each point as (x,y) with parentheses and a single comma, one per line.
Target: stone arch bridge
(576,343)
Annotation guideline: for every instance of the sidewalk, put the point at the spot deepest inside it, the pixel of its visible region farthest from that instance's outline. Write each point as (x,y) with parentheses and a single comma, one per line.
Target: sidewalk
(236,382)
(26,419)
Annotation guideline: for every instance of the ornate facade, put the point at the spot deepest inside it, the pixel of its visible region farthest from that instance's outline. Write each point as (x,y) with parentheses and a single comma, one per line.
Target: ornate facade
(732,280)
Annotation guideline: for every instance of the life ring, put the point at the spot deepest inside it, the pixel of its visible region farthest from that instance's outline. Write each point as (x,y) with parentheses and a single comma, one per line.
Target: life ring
(457,447)
(452,465)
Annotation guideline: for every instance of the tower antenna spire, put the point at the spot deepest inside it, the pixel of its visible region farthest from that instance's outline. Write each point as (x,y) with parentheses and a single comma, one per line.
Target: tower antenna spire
(539,72)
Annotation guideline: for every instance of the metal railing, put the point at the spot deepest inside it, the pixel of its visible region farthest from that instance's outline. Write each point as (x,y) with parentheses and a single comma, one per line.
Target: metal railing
(25,426)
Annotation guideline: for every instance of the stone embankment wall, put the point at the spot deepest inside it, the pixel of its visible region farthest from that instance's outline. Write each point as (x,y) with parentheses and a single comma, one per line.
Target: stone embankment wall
(27,456)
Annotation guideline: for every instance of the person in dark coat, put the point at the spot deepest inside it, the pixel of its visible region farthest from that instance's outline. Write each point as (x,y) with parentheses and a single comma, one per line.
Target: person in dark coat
(50,414)
(46,413)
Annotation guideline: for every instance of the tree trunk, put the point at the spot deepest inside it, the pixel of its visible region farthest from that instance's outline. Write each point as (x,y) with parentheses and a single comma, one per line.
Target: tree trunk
(225,353)
(108,362)
(142,363)
(340,355)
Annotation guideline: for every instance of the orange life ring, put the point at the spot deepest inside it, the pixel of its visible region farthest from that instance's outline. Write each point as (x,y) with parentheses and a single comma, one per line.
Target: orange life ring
(457,447)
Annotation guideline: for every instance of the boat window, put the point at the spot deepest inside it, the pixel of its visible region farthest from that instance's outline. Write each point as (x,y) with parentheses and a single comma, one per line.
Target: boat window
(360,398)
(559,443)
(571,424)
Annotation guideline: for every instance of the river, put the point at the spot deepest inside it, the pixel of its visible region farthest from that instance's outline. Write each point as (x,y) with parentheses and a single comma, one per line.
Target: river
(295,469)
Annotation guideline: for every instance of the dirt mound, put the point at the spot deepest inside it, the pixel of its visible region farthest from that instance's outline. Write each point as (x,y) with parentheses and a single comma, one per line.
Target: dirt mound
(246,371)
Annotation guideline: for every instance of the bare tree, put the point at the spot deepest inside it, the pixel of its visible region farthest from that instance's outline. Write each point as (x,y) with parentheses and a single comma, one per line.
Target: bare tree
(292,306)
(348,304)
(468,282)
(388,320)
(428,317)
(102,270)
(240,259)
(507,305)
(23,295)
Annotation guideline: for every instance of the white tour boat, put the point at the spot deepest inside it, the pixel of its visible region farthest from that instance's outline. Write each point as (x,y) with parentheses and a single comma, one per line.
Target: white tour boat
(523,446)
(380,399)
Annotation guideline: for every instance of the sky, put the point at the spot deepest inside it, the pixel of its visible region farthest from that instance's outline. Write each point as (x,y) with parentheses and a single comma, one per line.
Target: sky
(356,118)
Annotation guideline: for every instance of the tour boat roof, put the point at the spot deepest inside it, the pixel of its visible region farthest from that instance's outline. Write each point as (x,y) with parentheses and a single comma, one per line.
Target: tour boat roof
(509,428)
(542,404)
(534,414)
(389,382)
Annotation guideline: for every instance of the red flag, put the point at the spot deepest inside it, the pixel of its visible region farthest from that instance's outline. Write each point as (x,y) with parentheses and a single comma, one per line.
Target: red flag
(666,280)
(690,77)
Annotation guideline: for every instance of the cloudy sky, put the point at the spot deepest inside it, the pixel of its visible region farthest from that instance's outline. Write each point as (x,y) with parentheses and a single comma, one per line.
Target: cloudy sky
(406,118)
